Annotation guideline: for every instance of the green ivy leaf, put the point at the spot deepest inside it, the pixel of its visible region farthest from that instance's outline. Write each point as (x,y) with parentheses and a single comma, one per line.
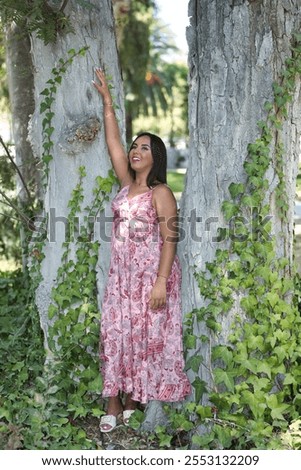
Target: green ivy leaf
(277,409)
(52,311)
(194,363)
(229,209)
(136,419)
(256,342)
(190,341)
(256,403)
(49,131)
(199,388)
(213,325)
(225,377)
(5,413)
(97,412)
(52,390)
(224,353)
(236,189)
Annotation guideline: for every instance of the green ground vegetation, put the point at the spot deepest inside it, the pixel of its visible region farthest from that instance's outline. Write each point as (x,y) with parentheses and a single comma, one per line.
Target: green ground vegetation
(176,181)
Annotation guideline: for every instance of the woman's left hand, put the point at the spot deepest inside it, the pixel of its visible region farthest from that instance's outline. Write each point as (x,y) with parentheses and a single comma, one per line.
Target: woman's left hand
(158,294)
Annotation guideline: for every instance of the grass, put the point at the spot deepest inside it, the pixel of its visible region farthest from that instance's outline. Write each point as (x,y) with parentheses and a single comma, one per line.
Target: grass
(176,181)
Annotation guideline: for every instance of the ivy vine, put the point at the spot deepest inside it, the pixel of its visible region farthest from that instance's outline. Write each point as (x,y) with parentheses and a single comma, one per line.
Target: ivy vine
(46,105)
(256,376)
(38,238)
(74,334)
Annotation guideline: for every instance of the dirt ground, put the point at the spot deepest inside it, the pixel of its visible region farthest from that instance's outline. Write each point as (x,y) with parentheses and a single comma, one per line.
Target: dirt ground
(126,438)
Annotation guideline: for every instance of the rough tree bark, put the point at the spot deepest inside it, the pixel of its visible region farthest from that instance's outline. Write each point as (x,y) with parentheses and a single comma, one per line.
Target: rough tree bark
(236,51)
(76,105)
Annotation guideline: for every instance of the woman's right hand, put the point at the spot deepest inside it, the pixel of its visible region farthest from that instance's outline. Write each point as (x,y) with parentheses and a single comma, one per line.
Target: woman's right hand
(102,86)
(113,139)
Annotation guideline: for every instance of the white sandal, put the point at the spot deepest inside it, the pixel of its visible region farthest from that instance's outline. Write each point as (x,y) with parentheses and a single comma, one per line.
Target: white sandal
(107,420)
(126,416)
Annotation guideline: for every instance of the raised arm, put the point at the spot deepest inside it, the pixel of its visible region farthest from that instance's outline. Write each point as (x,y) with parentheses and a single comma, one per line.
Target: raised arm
(116,150)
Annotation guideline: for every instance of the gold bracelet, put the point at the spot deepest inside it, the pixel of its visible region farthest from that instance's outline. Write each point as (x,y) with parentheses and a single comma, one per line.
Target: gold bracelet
(160,275)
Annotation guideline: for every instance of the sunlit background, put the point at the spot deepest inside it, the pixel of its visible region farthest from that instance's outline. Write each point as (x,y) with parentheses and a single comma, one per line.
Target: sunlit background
(176,18)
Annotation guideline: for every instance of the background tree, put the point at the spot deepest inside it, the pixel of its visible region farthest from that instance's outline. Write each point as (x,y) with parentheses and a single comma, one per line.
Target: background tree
(20,80)
(146,78)
(10,233)
(9,222)
(171,122)
(4,97)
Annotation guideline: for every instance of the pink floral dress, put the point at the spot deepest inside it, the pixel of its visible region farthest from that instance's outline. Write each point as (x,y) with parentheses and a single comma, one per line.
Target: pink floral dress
(141,348)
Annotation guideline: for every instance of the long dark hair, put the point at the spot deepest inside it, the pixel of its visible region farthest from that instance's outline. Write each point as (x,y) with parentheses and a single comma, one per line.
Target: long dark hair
(157,173)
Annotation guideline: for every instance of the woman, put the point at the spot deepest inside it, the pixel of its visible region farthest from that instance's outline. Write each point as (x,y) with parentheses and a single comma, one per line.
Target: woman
(141,326)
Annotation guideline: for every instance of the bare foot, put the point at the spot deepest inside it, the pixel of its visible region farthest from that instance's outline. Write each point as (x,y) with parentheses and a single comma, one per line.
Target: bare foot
(109,421)
(114,406)
(129,403)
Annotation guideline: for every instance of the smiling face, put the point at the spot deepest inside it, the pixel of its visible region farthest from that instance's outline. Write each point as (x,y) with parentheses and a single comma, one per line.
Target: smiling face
(140,155)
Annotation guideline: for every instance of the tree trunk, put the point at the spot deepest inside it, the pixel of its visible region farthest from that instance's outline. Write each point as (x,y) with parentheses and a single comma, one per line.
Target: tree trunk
(20,80)
(237,49)
(78,134)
